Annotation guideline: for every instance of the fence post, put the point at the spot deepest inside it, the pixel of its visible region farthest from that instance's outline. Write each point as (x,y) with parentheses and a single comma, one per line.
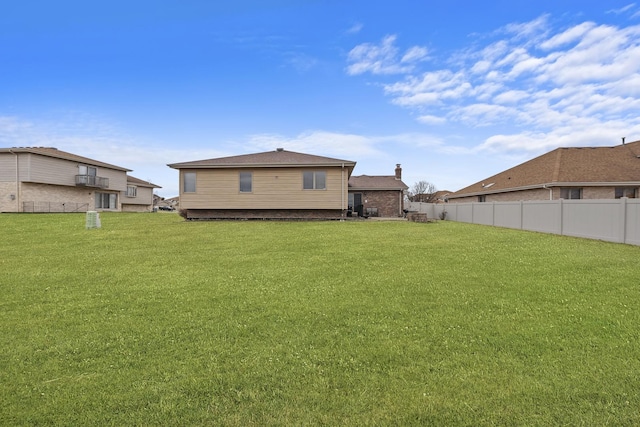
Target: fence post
(622,229)
(493,213)
(561,222)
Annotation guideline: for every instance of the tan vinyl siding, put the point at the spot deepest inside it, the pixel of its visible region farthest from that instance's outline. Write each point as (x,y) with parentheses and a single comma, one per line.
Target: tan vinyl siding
(49,170)
(7,168)
(272,188)
(144,196)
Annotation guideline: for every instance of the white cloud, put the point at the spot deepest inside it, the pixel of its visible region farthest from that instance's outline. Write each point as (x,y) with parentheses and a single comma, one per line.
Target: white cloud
(431,120)
(416,53)
(547,86)
(355,28)
(622,9)
(510,97)
(331,143)
(528,31)
(383,58)
(570,35)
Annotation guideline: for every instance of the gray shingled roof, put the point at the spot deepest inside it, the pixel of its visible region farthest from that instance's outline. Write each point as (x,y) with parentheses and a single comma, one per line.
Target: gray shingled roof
(378,182)
(58,154)
(276,158)
(564,166)
(141,183)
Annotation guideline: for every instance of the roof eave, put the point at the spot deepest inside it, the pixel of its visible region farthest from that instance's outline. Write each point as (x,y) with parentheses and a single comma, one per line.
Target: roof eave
(354,188)
(547,185)
(62,156)
(261,165)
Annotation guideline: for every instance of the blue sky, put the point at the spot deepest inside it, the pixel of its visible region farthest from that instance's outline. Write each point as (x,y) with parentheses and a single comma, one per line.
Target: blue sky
(455,91)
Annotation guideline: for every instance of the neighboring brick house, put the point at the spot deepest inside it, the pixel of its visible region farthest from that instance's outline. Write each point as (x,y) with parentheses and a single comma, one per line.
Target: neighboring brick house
(44,179)
(270,185)
(564,173)
(377,196)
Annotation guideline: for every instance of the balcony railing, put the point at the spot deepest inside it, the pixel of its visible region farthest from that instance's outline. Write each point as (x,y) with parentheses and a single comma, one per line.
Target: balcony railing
(92,181)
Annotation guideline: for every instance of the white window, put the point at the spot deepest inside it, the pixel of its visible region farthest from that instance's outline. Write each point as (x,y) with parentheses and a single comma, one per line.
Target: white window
(571,193)
(87,170)
(189,182)
(630,192)
(132,191)
(314,180)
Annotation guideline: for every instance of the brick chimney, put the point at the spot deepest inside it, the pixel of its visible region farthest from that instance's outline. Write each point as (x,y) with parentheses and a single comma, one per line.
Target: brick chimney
(398,172)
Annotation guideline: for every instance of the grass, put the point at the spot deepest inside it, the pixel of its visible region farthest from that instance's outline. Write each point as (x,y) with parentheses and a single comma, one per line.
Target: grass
(151,320)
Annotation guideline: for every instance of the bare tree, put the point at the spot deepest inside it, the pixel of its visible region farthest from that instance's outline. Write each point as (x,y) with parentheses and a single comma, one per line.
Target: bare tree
(423,191)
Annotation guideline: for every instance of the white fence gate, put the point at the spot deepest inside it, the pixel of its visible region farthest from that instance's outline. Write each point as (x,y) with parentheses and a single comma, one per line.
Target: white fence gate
(616,220)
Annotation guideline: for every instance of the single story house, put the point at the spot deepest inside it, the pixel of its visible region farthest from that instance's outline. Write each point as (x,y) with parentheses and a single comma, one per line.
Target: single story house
(564,173)
(272,184)
(378,195)
(45,179)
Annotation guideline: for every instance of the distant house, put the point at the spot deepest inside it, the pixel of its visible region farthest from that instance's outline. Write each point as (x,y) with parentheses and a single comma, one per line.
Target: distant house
(435,197)
(564,173)
(377,196)
(139,195)
(170,204)
(43,179)
(273,184)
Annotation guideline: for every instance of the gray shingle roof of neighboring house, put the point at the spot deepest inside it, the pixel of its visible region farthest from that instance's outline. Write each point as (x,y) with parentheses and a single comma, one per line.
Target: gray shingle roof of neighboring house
(276,158)
(378,182)
(617,165)
(141,183)
(58,154)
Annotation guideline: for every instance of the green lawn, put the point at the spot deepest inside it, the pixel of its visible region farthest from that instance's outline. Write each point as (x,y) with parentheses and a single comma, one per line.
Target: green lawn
(151,320)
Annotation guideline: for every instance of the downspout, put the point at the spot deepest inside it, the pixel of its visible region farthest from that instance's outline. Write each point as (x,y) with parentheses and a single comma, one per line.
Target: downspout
(550,191)
(342,193)
(17,181)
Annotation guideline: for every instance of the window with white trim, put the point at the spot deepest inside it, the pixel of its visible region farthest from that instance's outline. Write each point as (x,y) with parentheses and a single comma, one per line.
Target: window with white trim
(630,192)
(570,193)
(132,191)
(106,201)
(87,170)
(314,180)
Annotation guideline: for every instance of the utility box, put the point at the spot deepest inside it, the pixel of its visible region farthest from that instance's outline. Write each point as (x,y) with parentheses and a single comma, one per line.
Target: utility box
(93,219)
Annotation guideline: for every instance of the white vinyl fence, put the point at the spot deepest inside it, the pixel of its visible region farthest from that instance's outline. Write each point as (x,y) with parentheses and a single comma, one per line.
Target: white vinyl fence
(615,220)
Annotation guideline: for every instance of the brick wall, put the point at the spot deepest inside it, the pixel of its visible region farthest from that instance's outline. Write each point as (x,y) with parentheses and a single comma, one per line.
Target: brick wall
(7,203)
(44,193)
(388,203)
(135,208)
(264,214)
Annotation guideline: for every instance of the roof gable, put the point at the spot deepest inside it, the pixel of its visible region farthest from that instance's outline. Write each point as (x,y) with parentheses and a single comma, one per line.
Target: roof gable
(376,182)
(139,182)
(276,158)
(578,165)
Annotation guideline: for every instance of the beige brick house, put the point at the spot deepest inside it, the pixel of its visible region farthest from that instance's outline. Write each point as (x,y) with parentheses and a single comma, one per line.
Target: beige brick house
(564,173)
(273,184)
(284,184)
(44,179)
